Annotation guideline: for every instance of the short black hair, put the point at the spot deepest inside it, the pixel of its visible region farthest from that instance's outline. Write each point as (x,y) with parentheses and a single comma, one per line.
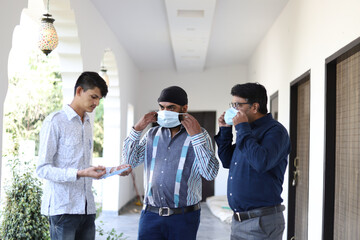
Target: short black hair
(253,92)
(90,80)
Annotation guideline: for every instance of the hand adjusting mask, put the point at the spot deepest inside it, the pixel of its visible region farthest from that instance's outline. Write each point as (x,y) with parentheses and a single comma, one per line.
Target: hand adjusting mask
(229,115)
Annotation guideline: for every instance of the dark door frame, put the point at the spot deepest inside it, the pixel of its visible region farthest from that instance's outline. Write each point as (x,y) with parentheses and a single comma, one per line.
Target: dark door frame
(272,97)
(330,138)
(293,138)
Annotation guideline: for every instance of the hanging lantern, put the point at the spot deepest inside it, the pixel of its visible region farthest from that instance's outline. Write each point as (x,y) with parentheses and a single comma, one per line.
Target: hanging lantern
(48,39)
(104,75)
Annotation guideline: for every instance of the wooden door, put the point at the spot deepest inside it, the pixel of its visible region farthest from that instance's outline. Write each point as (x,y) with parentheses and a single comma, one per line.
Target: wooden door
(299,160)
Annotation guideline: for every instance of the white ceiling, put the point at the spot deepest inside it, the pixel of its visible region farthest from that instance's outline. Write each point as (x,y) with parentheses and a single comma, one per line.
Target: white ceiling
(160,35)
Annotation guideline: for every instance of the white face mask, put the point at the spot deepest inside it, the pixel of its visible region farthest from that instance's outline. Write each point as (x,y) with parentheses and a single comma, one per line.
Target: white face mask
(229,115)
(168,119)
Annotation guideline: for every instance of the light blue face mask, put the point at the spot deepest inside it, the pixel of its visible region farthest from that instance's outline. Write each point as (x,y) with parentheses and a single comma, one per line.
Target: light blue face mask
(229,115)
(168,119)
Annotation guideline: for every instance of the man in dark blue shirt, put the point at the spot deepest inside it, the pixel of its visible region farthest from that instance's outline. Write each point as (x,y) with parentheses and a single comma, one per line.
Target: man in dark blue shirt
(256,162)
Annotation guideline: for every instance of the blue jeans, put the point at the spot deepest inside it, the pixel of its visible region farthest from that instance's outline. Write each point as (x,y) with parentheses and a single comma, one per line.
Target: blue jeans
(72,226)
(174,227)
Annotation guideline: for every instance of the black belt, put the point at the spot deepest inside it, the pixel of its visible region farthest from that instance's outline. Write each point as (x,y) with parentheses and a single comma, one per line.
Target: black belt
(165,211)
(258,212)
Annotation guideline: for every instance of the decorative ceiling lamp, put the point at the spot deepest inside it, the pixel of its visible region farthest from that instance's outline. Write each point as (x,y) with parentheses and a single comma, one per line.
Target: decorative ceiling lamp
(48,38)
(104,75)
(103,70)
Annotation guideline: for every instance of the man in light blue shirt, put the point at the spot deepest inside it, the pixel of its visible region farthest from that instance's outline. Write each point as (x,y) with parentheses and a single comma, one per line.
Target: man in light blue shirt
(176,155)
(64,161)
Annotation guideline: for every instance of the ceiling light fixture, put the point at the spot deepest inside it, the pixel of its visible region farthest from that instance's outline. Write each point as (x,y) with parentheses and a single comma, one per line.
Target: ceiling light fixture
(48,38)
(104,75)
(103,70)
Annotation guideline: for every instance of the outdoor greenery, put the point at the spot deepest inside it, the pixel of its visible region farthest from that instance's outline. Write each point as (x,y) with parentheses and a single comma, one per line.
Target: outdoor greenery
(32,95)
(21,215)
(110,235)
(99,130)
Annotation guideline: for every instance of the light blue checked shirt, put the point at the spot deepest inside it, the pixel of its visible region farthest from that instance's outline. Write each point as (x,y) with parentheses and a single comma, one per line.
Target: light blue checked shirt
(200,161)
(65,147)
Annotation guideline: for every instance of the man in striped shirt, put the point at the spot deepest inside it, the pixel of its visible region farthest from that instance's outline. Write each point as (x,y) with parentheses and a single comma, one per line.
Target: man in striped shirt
(176,154)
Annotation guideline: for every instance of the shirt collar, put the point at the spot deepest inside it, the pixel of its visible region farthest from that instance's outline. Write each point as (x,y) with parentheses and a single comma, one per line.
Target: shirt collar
(70,113)
(261,120)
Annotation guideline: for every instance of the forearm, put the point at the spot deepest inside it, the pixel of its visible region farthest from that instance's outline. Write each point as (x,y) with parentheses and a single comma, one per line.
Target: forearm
(205,156)
(133,149)
(48,172)
(223,141)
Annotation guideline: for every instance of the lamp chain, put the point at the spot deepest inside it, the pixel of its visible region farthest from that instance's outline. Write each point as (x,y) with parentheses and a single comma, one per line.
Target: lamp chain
(48,6)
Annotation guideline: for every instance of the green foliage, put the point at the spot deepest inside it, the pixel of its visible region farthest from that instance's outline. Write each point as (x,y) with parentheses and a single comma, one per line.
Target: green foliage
(32,95)
(99,130)
(21,215)
(111,235)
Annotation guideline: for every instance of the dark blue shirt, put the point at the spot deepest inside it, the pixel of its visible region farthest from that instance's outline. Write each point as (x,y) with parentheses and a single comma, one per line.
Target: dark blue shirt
(257,162)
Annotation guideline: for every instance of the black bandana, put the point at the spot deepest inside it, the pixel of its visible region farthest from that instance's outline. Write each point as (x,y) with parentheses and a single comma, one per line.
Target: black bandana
(174,94)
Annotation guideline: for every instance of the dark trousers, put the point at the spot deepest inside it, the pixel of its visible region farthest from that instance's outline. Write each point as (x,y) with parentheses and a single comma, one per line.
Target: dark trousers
(270,227)
(174,227)
(72,226)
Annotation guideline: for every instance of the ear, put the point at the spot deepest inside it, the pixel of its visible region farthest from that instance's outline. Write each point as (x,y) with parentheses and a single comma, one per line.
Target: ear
(79,91)
(256,107)
(184,108)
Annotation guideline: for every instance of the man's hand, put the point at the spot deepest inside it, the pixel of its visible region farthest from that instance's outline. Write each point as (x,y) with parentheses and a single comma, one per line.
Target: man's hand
(125,173)
(240,118)
(145,120)
(221,121)
(94,172)
(191,125)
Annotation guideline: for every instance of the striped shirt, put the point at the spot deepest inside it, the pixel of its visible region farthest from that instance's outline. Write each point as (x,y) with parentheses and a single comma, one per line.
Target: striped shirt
(200,161)
(65,147)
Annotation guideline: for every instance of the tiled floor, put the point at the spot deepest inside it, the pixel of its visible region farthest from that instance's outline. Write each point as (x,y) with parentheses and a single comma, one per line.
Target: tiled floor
(211,228)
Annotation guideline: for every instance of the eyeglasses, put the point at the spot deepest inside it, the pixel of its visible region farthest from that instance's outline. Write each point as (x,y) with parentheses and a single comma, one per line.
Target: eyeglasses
(237,104)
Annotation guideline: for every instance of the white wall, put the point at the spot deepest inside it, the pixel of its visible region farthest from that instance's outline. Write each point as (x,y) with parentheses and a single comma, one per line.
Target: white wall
(207,91)
(304,35)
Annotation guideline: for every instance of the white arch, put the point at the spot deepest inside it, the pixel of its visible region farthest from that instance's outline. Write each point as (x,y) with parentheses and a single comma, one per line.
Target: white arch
(112,136)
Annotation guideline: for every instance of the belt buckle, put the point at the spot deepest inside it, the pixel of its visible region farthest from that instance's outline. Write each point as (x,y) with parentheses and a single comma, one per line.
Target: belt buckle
(238,216)
(161,211)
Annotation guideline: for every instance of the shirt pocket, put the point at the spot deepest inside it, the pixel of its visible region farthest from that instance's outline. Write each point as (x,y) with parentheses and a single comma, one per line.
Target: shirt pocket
(70,147)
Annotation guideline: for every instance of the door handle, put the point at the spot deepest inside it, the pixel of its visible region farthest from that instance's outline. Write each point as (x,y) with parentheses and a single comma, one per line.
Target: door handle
(296,173)
(295,178)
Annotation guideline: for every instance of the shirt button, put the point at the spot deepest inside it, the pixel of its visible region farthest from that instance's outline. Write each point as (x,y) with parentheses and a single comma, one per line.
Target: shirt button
(162,171)
(162,198)
(165,159)
(235,209)
(230,177)
(169,148)
(235,163)
(160,185)
(230,194)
